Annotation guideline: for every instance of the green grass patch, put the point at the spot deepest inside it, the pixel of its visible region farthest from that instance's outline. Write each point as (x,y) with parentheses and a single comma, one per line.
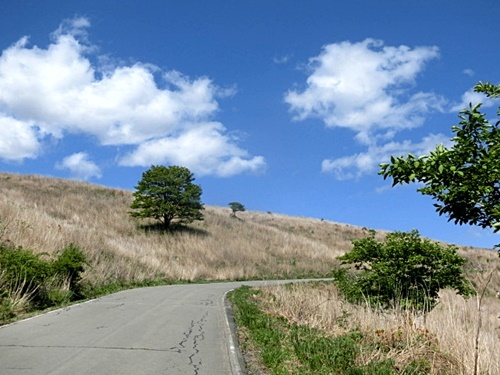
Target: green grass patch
(284,348)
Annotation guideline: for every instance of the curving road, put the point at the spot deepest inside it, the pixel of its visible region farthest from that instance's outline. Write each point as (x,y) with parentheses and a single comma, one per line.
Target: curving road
(177,329)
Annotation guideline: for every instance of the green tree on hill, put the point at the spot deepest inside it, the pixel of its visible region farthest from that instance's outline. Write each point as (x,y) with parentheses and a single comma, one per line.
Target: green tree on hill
(167,194)
(235,207)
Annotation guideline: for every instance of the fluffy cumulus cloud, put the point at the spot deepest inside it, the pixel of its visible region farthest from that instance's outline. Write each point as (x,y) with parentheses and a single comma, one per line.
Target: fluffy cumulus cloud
(57,90)
(80,166)
(19,139)
(211,151)
(362,86)
(366,87)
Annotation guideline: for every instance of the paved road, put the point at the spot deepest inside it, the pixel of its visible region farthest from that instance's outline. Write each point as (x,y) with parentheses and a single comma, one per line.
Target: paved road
(179,329)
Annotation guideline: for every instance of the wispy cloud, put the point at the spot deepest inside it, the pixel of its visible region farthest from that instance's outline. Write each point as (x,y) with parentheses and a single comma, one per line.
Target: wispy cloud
(471,97)
(49,92)
(468,72)
(80,166)
(355,166)
(281,59)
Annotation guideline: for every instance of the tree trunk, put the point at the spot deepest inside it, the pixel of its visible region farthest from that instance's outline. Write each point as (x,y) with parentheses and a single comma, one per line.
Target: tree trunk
(166,222)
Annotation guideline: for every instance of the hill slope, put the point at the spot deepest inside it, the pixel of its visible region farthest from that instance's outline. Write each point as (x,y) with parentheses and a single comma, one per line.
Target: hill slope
(46,214)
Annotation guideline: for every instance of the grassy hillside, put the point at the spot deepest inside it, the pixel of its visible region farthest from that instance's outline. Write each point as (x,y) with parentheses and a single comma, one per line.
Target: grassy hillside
(46,214)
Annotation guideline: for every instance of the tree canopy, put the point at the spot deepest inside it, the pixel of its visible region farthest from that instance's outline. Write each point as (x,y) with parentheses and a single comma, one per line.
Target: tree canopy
(464,179)
(166,194)
(235,207)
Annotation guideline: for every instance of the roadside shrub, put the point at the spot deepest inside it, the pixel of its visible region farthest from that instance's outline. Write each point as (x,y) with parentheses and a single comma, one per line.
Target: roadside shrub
(69,266)
(404,270)
(23,268)
(27,281)
(12,298)
(58,290)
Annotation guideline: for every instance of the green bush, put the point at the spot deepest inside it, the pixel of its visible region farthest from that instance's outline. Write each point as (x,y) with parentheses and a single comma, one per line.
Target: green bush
(404,270)
(23,267)
(57,291)
(27,281)
(70,265)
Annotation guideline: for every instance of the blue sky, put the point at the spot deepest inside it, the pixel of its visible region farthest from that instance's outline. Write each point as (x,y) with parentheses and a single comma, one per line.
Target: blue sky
(285,106)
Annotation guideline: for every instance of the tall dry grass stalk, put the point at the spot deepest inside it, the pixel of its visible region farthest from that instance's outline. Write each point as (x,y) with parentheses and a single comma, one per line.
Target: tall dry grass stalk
(15,296)
(446,336)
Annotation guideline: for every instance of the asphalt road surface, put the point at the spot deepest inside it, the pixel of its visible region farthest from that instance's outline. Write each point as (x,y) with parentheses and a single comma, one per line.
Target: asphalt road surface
(178,329)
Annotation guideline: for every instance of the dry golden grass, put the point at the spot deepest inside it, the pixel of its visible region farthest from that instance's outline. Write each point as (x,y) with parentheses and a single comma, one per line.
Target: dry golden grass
(47,214)
(14,295)
(445,337)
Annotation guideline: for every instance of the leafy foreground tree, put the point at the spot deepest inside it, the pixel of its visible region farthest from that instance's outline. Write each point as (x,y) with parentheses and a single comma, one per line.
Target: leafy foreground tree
(464,179)
(166,194)
(236,207)
(403,271)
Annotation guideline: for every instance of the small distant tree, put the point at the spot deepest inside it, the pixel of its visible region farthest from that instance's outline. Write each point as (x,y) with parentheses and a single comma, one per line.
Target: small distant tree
(235,207)
(404,270)
(166,194)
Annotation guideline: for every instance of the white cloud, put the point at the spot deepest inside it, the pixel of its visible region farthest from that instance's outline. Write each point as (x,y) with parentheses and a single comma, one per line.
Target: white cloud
(18,141)
(279,60)
(364,87)
(368,87)
(354,166)
(471,97)
(61,91)
(80,166)
(204,149)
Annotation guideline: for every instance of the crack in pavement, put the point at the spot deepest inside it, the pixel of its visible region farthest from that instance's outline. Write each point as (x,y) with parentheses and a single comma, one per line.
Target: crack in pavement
(115,306)
(191,341)
(207,302)
(87,347)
